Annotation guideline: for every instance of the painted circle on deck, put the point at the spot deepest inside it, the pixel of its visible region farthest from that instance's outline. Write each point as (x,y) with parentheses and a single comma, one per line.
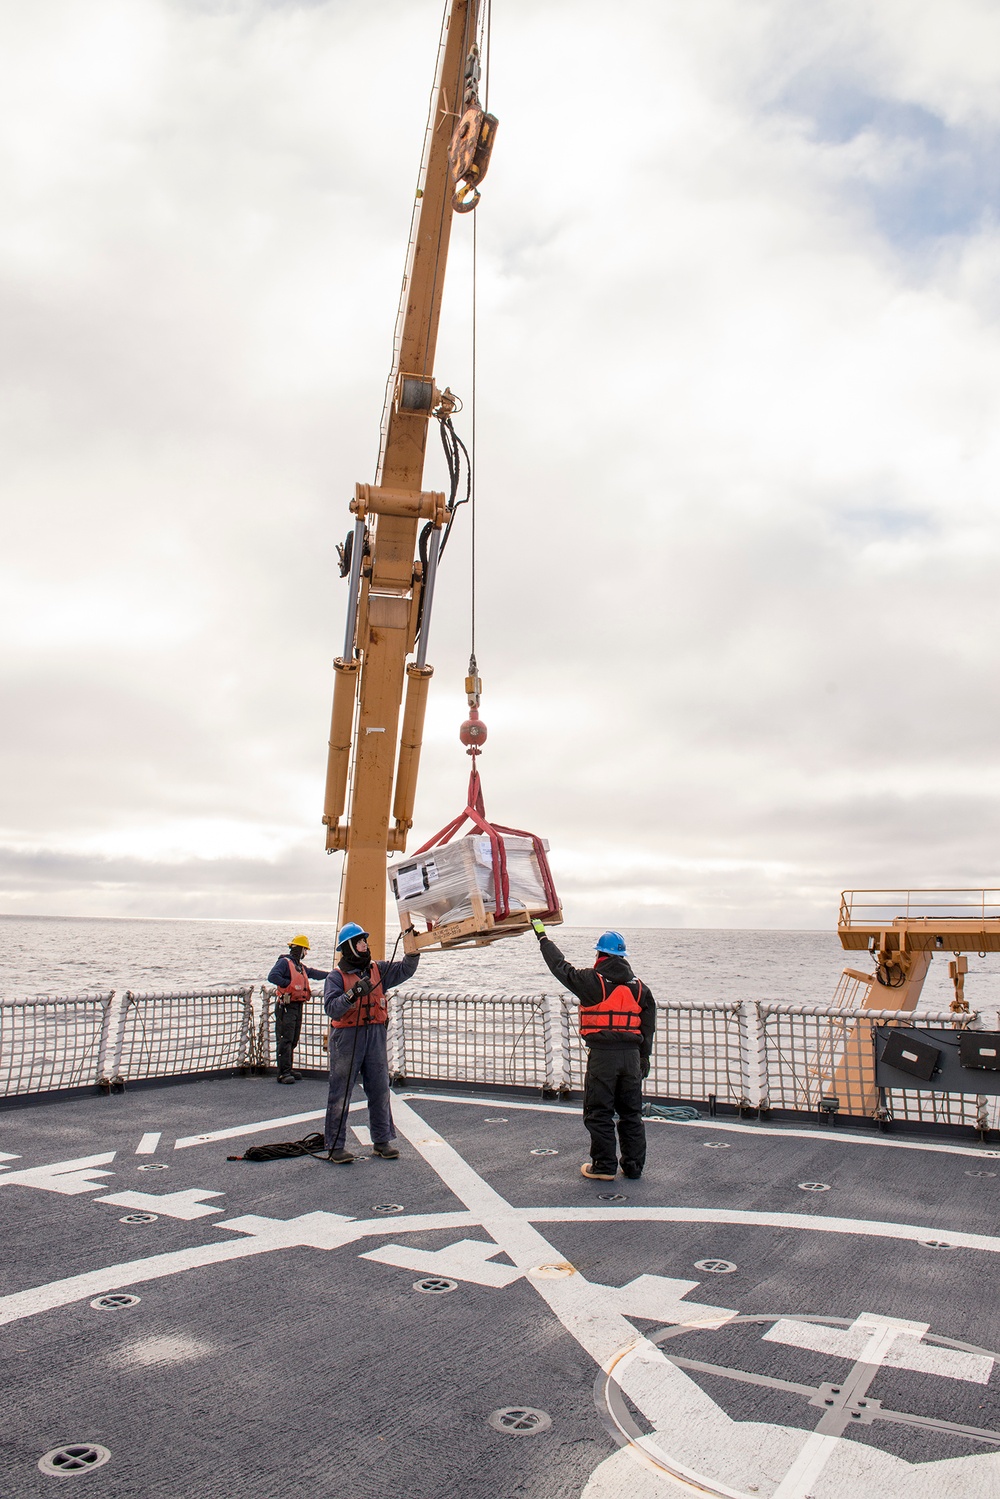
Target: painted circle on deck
(870,1384)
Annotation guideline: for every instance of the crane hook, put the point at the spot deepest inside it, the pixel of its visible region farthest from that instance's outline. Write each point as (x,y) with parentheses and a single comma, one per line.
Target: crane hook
(473,732)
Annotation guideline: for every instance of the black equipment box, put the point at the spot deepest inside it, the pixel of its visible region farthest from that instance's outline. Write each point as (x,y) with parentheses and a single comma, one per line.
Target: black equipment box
(903,1051)
(938,1059)
(980,1049)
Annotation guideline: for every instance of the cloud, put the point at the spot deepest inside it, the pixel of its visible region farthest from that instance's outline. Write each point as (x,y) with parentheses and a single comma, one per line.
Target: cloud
(738,384)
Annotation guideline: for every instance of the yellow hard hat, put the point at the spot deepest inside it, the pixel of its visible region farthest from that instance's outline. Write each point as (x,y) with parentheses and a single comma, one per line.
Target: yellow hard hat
(300,941)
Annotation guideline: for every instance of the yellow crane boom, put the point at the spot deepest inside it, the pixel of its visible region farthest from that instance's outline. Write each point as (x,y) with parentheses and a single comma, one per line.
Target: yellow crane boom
(390,589)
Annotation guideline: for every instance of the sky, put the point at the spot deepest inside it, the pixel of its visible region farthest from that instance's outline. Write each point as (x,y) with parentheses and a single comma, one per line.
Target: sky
(738,449)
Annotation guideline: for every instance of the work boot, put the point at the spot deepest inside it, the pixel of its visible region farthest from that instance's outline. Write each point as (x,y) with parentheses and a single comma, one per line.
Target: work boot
(632,1171)
(288,1077)
(340,1157)
(388,1151)
(588,1170)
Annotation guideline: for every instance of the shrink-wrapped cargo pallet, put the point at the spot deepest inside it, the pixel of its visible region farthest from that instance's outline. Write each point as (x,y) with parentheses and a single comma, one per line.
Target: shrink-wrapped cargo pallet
(452,889)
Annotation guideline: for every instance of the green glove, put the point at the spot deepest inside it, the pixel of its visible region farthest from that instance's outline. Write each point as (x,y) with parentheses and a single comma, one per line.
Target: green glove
(538,927)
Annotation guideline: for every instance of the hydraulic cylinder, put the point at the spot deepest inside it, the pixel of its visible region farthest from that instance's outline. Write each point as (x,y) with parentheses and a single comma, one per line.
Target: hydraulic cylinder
(418,680)
(345,682)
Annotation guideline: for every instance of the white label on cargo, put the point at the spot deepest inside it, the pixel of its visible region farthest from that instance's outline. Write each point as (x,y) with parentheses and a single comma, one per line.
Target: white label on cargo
(430,871)
(409,881)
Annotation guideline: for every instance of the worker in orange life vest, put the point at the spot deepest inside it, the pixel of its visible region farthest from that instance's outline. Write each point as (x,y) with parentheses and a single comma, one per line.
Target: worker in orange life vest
(291,978)
(354,997)
(617,1021)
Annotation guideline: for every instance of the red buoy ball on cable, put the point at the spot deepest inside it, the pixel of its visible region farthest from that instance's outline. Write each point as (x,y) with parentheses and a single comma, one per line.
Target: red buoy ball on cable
(473,731)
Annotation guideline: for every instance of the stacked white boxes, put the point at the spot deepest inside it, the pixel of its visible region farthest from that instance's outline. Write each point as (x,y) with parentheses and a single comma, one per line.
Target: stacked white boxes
(439,885)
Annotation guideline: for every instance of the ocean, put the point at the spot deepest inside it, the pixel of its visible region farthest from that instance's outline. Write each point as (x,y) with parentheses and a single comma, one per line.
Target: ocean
(77,955)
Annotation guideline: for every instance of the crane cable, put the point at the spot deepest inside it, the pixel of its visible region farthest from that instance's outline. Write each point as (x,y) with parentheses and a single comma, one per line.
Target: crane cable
(486,27)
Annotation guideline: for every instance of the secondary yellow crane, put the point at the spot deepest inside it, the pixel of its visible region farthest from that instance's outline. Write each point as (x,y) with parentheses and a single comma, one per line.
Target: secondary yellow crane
(391,588)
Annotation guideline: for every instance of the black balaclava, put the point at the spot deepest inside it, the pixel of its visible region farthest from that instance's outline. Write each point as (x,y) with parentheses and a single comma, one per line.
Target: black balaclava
(353,961)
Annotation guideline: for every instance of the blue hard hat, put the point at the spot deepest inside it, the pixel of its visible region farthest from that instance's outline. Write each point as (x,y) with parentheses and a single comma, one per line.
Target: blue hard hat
(349,932)
(612,944)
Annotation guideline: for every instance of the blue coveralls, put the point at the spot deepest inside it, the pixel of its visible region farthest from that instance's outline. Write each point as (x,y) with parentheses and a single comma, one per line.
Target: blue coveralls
(367,1044)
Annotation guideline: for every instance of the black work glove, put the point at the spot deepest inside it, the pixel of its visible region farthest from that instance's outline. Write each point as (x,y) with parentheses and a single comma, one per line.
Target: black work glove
(644,1066)
(360,991)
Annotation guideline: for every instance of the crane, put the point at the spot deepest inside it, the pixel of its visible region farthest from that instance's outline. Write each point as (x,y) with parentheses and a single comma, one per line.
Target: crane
(391,587)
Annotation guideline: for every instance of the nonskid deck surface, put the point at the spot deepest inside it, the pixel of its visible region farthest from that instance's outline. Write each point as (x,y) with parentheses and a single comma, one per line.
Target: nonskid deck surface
(775,1306)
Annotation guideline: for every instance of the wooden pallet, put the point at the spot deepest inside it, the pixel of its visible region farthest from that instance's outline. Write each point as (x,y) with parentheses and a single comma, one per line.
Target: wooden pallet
(477,930)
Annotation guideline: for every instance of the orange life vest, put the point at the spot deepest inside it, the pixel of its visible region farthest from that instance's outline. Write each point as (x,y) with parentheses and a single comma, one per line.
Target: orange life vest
(619,1012)
(369,1011)
(297,990)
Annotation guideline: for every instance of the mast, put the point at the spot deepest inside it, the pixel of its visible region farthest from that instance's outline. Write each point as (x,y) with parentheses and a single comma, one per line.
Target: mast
(390,591)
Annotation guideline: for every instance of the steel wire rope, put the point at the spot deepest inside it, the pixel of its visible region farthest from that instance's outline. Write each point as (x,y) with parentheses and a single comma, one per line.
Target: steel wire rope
(472,445)
(509,1057)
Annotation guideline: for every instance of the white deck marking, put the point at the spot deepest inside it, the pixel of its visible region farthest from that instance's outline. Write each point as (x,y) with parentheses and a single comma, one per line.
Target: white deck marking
(827,1137)
(67,1177)
(596,1315)
(665,1395)
(264,1235)
(821,1135)
(815,1222)
(660,1298)
(186,1205)
(817,1451)
(818,1448)
(147,1145)
(907,1352)
(5,1155)
(258,1127)
(362,1134)
(153,1352)
(466,1260)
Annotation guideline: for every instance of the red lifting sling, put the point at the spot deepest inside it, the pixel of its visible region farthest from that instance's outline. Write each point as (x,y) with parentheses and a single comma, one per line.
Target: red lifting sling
(475,813)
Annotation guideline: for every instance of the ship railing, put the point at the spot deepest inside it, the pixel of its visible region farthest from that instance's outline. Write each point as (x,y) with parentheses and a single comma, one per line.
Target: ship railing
(874,908)
(52,1042)
(310,1052)
(181,1035)
(751,1054)
(812,1052)
(506,1039)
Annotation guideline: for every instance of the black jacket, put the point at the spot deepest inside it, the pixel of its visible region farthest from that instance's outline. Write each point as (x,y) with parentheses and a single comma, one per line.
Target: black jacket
(586,986)
(281,974)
